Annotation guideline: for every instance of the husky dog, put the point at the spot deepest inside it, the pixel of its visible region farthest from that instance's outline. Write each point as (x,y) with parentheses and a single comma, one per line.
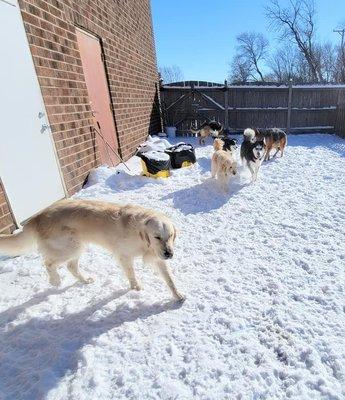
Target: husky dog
(252,152)
(207,129)
(275,138)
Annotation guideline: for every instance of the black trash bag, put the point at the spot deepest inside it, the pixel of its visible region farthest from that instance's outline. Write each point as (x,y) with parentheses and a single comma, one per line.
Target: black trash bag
(155,164)
(181,155)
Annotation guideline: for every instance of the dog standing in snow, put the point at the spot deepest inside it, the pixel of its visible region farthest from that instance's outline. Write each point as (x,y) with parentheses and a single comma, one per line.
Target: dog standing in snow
(253,151)
(223,164)
(207,129)
(275,138)
(61,231)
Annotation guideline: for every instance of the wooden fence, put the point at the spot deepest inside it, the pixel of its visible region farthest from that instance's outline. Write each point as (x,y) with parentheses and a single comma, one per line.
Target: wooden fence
(340,115)
(295,108)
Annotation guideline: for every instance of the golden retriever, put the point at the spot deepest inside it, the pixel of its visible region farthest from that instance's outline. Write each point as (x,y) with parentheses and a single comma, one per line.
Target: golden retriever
(61,231)
(223,164)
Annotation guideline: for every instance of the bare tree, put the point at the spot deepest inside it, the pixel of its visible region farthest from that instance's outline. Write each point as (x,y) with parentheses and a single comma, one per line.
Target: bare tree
(301,58)
(297,22)
(302,69)
(289,63)
(171,73)
(339,64)
(328,60)
(283,64)
(252,51)
(240,70)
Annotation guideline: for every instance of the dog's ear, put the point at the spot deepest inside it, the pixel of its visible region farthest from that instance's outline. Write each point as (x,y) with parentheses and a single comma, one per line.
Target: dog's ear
(151,222)
(148,226)
(144,233)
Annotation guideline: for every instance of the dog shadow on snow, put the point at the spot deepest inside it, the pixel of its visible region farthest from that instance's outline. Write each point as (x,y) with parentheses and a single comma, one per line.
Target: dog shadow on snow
(37,354)
(12,313)
(205,164)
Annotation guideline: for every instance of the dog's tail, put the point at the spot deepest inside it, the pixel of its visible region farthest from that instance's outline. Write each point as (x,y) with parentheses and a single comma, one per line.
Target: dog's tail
(18,243)
(249,134)
(218,144)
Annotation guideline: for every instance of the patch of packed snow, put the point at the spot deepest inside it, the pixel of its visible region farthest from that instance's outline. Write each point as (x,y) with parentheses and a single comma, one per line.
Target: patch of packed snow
(154,144)
(263,271)
(157,155)
(181,146)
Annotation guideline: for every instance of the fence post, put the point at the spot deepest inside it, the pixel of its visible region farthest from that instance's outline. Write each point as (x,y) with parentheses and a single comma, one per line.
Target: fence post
(339,120)
(226,104)
(288,122)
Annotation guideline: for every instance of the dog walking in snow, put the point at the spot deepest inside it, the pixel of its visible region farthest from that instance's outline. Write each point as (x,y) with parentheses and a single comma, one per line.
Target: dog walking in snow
(207,129)
(61,232)
(253,151)
(223,164)
(275,138)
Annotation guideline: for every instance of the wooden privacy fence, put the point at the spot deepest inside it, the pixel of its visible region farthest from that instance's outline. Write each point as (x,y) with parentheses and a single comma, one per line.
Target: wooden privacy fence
(340,115)
(295,108)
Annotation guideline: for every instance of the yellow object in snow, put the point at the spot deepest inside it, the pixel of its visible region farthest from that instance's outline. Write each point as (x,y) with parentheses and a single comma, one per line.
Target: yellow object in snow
(165,173)
(186,164)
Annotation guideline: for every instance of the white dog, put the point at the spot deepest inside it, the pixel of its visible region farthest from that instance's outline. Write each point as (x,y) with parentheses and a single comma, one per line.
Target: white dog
(61,232)
(223,164)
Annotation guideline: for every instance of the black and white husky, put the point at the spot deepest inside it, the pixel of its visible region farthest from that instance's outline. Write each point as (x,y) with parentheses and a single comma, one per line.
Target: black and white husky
(253,151)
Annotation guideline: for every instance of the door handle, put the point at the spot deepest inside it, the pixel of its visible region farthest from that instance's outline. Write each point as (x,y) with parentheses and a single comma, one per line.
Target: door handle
(45,127)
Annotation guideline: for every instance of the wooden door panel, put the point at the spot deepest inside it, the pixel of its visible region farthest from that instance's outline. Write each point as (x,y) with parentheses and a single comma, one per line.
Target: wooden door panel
(97,86)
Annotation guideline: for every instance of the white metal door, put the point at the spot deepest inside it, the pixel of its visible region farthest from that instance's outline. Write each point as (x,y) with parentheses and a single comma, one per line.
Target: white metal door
(28,164)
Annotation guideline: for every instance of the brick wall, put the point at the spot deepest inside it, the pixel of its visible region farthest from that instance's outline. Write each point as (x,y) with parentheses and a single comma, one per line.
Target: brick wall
(125,29)
(6,221)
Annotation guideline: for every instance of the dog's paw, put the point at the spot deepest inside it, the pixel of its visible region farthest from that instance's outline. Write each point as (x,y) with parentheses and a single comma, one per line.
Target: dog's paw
(136,287)
(87,281)
(55,282)
(180,297)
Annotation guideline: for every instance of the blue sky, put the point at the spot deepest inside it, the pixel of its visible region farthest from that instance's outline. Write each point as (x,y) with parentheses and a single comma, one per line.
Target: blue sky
(200,35)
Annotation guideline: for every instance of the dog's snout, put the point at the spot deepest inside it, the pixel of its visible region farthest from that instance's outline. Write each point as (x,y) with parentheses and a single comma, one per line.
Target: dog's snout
(168,254)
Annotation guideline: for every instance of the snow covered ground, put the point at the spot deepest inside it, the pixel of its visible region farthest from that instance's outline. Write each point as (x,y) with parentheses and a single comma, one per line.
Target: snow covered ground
(263,270)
